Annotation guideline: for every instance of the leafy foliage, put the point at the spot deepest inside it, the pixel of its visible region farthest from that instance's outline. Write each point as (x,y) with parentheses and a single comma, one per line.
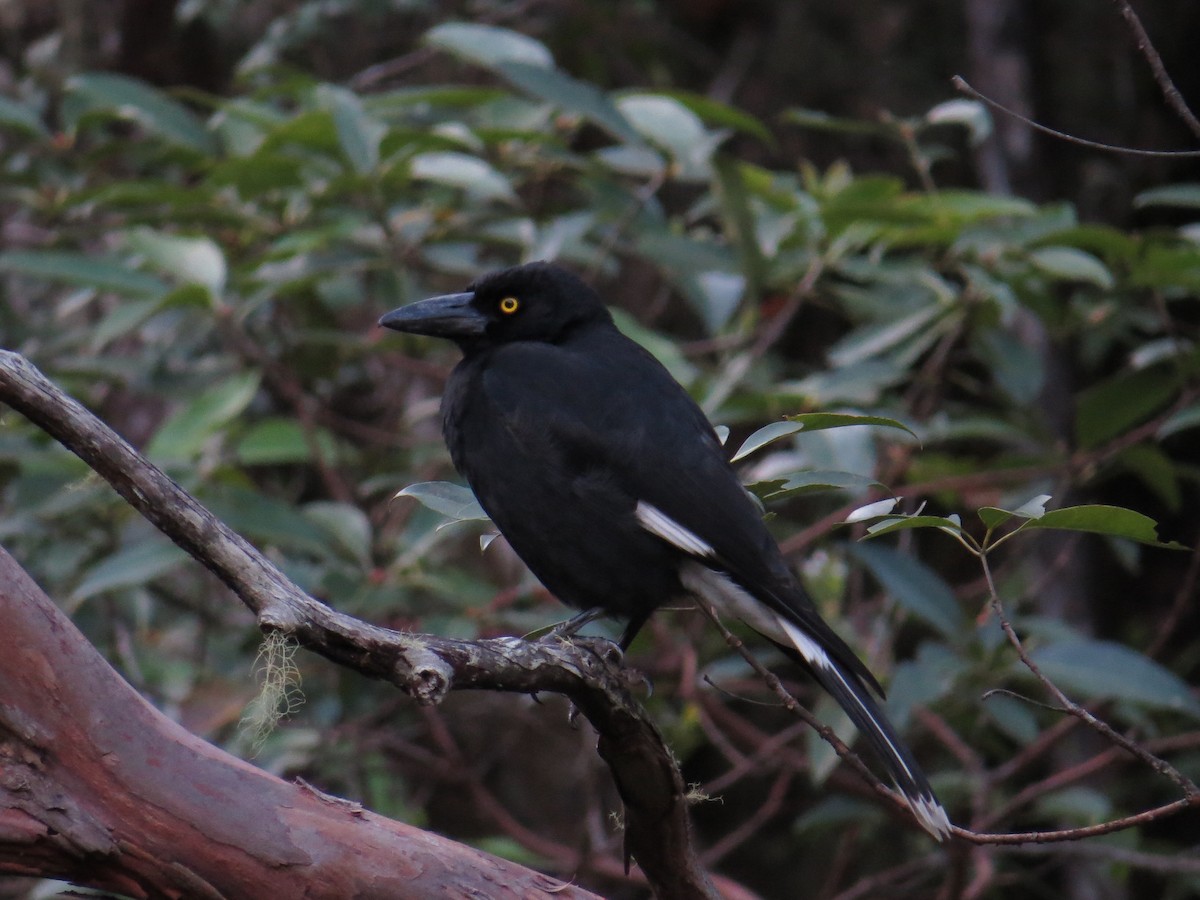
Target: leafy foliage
(205,272)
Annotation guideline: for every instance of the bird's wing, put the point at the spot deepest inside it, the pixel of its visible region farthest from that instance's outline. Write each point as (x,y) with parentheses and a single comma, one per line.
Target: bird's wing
(610,405)
(605,402)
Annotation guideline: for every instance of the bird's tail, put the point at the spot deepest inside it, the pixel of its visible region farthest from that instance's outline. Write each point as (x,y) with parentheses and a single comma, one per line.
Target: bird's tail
(803,636)
(848,689)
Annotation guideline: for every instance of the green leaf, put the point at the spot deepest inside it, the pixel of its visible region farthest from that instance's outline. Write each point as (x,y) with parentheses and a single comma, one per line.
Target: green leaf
(715,295)
(1169,267)
(665,350)
(636,160)
(1156,470)
(129,315)
(451,500)
(347,525)
(810,481)
(1016,366)
(822,759)
(131,566)
(1186,196)
(313,130)
(565,92)
(193,260)
(255,175)
(970,114)
(460,170)
(765,435)
(1108,409)
(17,115)
(122,319)
(819,421)
(1115,521)
(862,382)
(1102,669)
(184,434)
(901,523)
(278,441)
(1070,264)
(1166,349)
(822,121)
(266,519)
(1012,716)
(669,124)
(923,680)
(1103,241)
(88,271)
(131,99)
(1076,805)
(872,510)
(965,206)
(399,103)
(716,113)
(875,339)
(994,517)
(915,586)
(706,273)
(834,815)
(729,185)
(488,45)
(358,134)
(1188,417)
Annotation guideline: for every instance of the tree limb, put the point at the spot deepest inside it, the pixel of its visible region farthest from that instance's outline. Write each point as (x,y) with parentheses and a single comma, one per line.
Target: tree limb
(100,788)
(656,822)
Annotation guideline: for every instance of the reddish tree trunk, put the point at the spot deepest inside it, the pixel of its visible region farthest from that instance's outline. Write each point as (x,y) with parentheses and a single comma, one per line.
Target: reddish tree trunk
(99,788)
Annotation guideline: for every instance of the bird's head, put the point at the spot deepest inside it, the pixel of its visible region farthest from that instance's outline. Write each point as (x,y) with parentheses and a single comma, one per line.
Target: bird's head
(534,302)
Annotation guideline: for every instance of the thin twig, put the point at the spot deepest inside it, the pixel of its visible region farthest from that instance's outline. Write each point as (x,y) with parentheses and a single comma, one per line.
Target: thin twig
(1072,708)
(961,84)
(1166,85)
(1078,834)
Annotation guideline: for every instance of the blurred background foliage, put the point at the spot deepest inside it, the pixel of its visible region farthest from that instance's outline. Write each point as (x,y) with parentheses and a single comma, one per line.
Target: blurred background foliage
(207,204)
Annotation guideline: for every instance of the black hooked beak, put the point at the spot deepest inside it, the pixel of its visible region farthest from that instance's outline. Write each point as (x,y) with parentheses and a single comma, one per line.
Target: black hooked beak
(449,316)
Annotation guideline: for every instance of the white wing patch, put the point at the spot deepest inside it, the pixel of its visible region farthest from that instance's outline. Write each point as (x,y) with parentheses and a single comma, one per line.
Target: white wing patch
(719,591)
(658,523)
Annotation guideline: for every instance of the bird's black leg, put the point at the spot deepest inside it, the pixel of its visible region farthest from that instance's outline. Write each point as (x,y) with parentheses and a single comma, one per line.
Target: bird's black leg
(570,628)
(631,631)
(632,627)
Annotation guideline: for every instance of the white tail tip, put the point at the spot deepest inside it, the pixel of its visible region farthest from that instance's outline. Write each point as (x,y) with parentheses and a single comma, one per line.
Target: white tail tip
(931,815)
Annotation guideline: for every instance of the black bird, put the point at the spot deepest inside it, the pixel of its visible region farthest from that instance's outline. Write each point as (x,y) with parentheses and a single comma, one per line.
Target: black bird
(611,485)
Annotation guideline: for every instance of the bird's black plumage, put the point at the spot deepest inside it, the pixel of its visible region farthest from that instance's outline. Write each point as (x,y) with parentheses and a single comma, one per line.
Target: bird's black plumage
(611,485)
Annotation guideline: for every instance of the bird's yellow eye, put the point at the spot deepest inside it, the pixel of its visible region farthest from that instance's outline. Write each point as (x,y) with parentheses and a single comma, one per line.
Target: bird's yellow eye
(509,305)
